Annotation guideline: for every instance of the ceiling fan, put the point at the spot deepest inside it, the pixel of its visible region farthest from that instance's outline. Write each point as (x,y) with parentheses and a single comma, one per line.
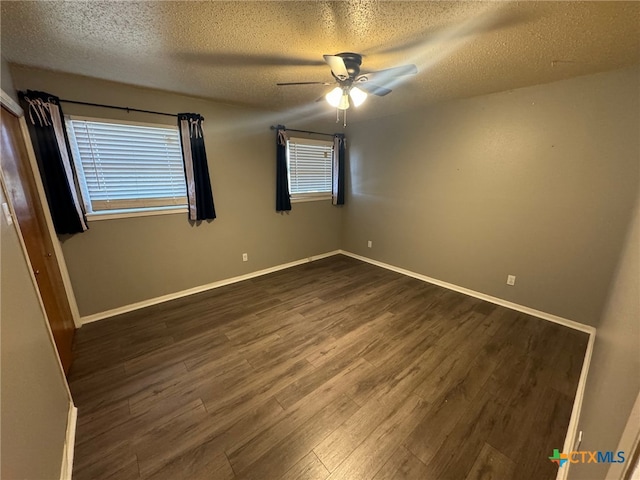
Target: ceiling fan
(354,85)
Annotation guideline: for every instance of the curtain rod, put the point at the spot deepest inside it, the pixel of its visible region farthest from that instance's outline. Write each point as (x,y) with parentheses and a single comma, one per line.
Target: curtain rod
(304,131)
(127,109)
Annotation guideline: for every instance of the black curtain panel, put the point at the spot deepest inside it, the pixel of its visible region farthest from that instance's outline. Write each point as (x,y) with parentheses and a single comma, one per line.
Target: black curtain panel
(337,190)
(283,199)
(53,155)
(196,169)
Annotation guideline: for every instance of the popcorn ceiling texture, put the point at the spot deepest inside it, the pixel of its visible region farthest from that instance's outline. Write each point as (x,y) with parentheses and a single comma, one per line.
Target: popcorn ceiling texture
(235,52)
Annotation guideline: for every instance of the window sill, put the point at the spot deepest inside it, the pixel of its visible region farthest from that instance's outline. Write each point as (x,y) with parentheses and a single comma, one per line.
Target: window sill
(310,198)
(134,212)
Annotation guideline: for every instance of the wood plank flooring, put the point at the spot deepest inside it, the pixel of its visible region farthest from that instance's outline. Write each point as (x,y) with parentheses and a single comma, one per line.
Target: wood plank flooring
(335,369)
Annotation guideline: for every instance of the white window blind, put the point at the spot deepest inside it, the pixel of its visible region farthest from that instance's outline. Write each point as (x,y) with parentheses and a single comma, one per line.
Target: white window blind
(310,164)
(124,166)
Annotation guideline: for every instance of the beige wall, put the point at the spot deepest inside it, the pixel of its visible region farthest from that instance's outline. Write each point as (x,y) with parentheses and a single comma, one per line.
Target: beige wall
(119,262)
(35,400)
(537,182)
(614,377)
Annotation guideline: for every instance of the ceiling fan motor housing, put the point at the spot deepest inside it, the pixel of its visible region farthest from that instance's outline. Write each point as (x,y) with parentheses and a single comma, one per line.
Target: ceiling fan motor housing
(352,61)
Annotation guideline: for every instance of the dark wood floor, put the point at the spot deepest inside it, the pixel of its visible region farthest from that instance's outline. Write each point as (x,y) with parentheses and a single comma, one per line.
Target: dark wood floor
(333,369)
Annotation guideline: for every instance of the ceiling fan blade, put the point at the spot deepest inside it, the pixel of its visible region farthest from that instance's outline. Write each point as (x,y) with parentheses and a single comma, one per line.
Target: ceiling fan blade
(338,68)
(389,73)
(302,83)
(374,89)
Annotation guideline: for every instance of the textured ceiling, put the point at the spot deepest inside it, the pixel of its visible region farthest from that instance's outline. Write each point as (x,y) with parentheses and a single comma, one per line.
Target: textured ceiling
(237,51)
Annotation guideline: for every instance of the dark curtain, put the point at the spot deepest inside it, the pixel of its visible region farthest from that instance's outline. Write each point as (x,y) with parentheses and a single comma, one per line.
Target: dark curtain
(337,191)
(51,146)
(196,169)
(283,199)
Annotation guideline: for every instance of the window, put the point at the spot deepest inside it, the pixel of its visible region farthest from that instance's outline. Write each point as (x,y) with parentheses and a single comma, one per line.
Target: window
(126,166)
(309,163)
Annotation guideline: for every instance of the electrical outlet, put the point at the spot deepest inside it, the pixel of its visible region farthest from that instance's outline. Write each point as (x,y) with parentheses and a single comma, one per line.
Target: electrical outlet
(511,279)
(245,257)
(369,244)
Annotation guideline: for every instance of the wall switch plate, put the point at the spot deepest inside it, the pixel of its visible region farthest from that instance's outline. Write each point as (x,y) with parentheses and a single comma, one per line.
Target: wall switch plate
(511,279)
(245,257)
(369,244)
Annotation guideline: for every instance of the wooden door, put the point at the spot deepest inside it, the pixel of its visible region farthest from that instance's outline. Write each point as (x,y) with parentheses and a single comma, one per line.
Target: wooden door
(21,187)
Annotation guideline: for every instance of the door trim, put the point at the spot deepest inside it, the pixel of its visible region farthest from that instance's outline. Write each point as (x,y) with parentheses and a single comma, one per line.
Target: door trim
(11,105)
(6,101)
(69,444)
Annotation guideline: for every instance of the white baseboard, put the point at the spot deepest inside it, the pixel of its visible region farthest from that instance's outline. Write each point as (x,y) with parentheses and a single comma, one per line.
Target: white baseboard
(69,444)
(482,296)
(572,430)
(220,283)
(202,288)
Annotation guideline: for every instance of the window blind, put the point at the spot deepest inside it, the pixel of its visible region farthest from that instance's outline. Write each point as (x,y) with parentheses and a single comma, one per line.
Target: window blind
(124,166)
(310,163)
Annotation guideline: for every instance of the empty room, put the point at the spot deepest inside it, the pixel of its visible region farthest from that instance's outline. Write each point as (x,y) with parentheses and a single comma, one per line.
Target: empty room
(320,240)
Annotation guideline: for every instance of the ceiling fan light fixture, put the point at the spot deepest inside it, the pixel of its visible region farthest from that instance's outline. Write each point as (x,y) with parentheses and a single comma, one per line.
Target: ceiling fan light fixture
(345,69)
(334,97)
(338,98)
(358,96)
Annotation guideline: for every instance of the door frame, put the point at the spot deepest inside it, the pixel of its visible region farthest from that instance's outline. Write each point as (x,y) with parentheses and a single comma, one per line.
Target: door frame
(11,105)
(66,464)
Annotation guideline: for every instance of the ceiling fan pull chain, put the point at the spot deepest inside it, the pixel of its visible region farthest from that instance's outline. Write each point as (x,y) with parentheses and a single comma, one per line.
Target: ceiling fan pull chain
(344,117)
